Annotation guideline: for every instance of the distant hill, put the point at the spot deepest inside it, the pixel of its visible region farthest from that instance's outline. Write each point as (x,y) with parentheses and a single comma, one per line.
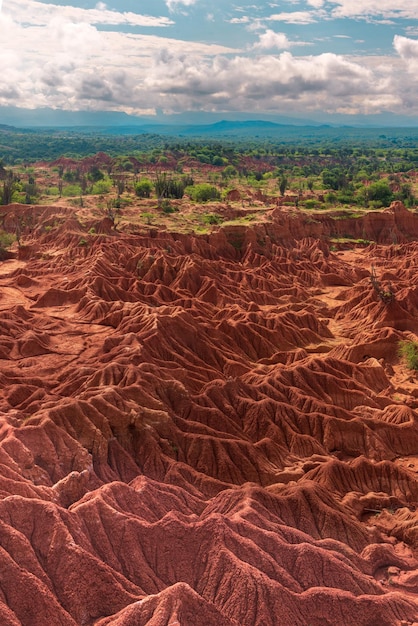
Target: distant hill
(105,119)
(100,120)
(49,143)
(250,128)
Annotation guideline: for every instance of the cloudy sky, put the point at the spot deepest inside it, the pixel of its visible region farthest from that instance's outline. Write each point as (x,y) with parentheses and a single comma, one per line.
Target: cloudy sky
(305,58)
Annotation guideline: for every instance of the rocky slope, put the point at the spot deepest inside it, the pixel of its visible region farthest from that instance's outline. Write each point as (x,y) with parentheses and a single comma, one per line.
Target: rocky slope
(207,430)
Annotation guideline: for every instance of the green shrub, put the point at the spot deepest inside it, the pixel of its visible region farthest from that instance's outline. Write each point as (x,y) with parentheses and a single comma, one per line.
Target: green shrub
(376,194)
(203,158)
(101,187)
(218,160)
(229,172)
(375,204)
(69,176)
(330,197)
(211,218)
(167,207)
(143,188)
(71,190)
(95,174)
(167,187)
(311,203)
(52,191)
(147,216)
(6,239)
(187,180)
(408,350)
(203,192)
(345,197)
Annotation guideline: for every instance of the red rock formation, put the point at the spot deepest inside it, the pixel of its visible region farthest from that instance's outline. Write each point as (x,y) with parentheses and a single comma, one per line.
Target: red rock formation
(194,431)
(233,195)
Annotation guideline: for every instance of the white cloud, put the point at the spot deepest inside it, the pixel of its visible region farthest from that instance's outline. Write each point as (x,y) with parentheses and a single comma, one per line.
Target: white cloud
(240,20)
(173,5)
(326,82)
(388,9)
(269,40)
(254,25)
(380,11)
(40,14)
(295,17)
(73,65)
(64,60)
(406,48)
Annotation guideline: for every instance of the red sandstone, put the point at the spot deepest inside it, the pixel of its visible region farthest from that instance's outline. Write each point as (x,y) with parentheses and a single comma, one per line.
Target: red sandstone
(194,432)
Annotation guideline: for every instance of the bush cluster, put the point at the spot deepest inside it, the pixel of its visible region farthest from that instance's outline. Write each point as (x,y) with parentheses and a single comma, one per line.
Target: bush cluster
(408,350)
(203,192)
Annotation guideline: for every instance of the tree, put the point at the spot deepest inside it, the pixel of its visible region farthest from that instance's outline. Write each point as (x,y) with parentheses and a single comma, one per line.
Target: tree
(218,160)
(334,178)
(229,172)
(9,187)
(95,174)
(143,188)
(119,183)
(3,171)
(283,185)
(203,192)
(167,187)
(406,194)
(83,184)
(379,191)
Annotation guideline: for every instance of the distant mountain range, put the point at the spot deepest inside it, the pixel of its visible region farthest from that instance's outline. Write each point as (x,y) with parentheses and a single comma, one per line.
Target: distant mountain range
(109,119)
(224,128)
(187,123)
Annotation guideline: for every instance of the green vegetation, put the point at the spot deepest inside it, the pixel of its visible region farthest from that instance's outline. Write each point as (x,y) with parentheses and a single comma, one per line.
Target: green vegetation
(203,192)
(408,351)
(228,172)
(52,191)
(378,192)
(69,191)
(311,170)
(10,187)
(167,207)
(168,187)
(211,218)
(6,240)
(311,204)
(101,187)
(283,185)
(143,188)
(345,214)
(348,240)
(147,216)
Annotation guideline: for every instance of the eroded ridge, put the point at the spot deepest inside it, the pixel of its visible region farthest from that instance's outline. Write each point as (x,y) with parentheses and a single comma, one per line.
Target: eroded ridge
(193,433)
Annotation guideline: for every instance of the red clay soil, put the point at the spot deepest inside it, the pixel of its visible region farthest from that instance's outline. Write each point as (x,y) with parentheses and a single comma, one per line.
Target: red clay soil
(207,431)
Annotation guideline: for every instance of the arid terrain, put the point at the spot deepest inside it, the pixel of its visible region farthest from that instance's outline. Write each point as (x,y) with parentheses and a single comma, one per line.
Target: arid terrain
(208,430)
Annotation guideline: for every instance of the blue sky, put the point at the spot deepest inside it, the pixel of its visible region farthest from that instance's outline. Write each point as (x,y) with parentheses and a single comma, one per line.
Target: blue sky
(315,59)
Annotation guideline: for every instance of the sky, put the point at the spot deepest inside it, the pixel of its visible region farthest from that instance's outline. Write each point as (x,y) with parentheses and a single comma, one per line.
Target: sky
(316,59)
